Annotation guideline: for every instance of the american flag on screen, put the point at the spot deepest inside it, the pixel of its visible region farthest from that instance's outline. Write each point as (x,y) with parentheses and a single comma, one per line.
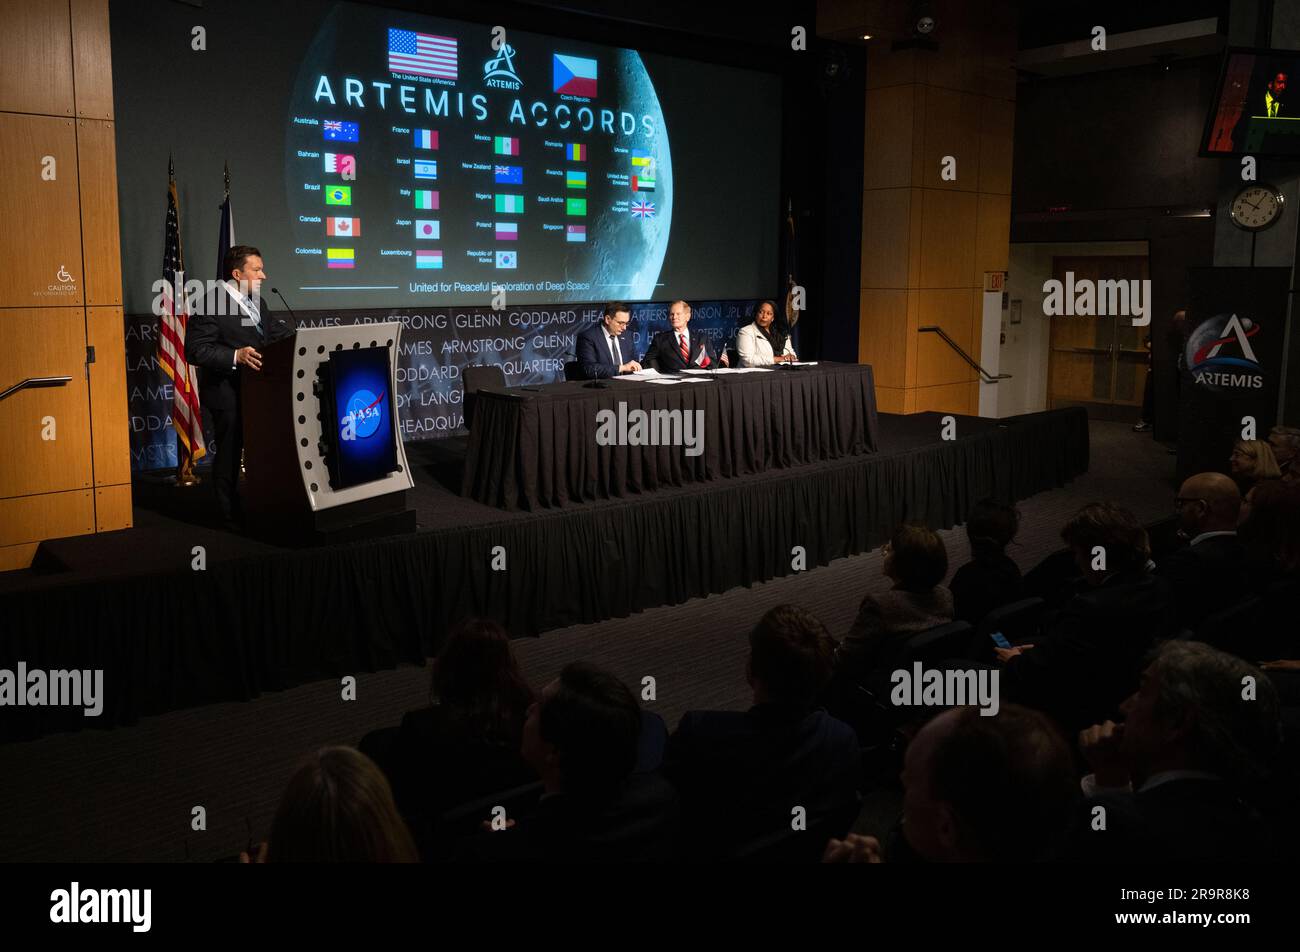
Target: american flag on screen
(422,54)
(173,317)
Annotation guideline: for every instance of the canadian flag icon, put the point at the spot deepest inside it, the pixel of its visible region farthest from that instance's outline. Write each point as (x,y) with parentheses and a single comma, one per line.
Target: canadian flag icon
(343,226)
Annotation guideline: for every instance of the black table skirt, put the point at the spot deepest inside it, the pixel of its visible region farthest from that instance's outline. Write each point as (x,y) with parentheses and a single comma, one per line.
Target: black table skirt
(536,449)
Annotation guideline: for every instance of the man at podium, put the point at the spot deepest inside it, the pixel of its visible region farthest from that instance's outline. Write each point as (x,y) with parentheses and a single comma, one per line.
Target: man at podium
(224,339)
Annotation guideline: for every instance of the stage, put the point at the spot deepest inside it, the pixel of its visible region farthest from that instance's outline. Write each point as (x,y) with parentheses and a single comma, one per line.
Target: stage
(171,631)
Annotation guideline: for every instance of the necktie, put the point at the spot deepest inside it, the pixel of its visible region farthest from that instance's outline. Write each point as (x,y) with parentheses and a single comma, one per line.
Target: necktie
(614,351)
(686,353)
(256,314)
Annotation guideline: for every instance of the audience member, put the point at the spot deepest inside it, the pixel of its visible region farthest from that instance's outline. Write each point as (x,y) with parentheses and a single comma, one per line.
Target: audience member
(981,789)
(1252,462)
(740,773)
(1202,730)
(1090,654)
(337,808)
(1285,441)
(581,737)
(1270,534)
(990,579)
(466,743)
(916,561)
(1209,573)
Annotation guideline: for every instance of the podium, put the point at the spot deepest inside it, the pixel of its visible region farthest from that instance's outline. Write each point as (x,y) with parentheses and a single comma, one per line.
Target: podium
(302,438)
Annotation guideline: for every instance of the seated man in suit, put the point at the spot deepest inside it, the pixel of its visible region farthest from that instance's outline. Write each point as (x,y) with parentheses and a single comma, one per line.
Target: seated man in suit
(600,352)
(677,349)
(1089,656)
(980,789)
(741,773)
(1209,573)
(582,738)
(222,340)
(1173,773)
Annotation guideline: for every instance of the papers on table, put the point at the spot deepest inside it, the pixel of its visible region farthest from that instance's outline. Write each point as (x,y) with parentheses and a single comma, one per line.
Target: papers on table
(650,375)
(730,370)
(802,363)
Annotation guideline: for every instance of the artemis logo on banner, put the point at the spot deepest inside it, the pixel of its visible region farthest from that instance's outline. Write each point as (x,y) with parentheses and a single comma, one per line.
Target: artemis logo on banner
(1088,298)
(1220,356)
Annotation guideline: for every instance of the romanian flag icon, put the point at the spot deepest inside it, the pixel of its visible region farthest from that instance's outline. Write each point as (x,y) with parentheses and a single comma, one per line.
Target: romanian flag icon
(576,152)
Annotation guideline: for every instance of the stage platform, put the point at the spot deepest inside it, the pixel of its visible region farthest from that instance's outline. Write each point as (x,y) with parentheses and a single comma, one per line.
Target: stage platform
(257,617)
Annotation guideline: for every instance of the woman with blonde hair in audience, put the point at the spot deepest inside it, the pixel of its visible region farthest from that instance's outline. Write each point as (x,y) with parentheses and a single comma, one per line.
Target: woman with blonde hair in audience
(337,808)
(1252,462)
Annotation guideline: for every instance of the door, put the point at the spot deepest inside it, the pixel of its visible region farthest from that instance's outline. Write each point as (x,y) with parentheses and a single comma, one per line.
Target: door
(1098,361)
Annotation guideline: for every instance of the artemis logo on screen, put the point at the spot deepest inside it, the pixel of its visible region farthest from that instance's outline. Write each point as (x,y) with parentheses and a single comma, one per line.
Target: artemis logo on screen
(1220,355)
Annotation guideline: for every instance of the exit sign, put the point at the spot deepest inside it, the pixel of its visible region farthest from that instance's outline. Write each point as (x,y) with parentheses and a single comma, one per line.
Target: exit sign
(994,281)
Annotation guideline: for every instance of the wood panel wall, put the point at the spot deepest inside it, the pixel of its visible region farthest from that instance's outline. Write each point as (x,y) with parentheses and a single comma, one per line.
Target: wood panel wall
(64,451)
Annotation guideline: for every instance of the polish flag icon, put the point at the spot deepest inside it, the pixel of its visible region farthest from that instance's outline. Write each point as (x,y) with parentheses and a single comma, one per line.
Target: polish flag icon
(343,226)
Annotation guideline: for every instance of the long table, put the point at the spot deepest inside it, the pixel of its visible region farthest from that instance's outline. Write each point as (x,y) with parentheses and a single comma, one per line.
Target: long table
(537,448)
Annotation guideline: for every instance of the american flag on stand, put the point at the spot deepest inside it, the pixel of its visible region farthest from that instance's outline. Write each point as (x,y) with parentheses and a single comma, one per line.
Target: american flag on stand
(187,418)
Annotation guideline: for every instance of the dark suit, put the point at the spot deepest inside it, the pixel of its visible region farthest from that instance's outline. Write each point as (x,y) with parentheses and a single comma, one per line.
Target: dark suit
(1205,578)
(988,581)
(753,767)
(217,329)
(641,824)
(595,362)
(1191,819)
(1090,656)
(665,355)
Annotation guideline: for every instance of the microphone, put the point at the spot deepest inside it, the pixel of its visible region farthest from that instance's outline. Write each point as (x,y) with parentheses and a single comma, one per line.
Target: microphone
(276,292)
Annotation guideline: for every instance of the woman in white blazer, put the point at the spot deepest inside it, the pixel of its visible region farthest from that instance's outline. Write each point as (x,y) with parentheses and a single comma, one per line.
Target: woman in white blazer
(760,344)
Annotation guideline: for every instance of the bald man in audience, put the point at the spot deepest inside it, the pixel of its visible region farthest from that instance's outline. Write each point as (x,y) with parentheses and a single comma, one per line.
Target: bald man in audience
(1208,574)
(981,789)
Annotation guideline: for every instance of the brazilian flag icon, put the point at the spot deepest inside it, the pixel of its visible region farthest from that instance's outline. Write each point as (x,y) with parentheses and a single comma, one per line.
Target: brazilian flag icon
(338,195)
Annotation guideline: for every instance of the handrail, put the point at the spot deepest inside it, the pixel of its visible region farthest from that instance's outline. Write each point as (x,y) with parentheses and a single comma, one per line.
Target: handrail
(36,382)
(984,374)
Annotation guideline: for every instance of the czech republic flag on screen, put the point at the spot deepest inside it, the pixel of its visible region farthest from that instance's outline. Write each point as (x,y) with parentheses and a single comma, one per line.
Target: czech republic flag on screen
(574,76)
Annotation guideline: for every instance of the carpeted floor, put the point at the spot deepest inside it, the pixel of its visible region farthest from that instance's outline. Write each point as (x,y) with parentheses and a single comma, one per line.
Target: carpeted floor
(129,794)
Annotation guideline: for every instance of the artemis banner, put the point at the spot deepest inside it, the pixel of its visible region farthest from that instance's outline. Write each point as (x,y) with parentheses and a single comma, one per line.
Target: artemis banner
(531,345)
(1232,359)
